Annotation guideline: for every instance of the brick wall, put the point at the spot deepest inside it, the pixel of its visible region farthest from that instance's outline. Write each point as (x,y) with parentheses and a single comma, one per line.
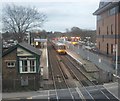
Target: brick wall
(105,36)
(8,72)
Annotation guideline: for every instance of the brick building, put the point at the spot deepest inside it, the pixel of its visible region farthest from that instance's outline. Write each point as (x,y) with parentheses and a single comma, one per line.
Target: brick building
(21,67)
(108,28)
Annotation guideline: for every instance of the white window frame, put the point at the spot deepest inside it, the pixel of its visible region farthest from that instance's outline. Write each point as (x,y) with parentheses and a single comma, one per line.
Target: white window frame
(10,66)
(28,65)
(33,65)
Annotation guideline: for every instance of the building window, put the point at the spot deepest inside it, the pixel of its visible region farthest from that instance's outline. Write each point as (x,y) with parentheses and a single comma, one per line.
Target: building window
(112,11)
(111,48)
(32,65)
(24,65)
(111,28)
(107,30)
(102,37)
(27,65)
(10,64)
(107,48)
(99,30)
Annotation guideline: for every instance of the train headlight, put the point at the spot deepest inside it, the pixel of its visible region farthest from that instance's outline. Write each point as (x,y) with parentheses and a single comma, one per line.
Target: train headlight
(59,50)
(74,43)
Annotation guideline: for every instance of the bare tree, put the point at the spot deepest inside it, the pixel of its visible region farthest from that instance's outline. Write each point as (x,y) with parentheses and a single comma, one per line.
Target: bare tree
(19,20)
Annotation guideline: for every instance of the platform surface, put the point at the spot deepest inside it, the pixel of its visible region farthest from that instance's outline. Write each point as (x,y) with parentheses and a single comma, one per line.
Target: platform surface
(44,63)
(88,66)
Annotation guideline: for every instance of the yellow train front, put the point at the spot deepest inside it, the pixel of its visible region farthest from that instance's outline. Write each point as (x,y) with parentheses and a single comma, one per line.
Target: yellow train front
(75,40)
(61,48)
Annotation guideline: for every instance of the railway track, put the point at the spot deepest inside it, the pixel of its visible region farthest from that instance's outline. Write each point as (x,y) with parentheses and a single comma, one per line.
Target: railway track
(57,74)
(60,77)
(76,71)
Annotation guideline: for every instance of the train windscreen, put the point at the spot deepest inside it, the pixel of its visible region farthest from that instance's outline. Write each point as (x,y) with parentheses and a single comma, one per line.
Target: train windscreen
(61,47)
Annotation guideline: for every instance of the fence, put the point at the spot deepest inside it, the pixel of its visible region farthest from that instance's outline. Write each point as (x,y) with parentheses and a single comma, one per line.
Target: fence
(105,65)
(20,84)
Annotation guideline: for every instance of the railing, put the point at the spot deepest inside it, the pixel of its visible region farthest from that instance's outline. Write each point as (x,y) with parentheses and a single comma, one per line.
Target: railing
(20,84)
(103,63)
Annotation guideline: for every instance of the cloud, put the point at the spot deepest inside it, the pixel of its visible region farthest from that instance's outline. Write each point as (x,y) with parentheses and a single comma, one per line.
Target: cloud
(49,1)
(66,15)
(62,15)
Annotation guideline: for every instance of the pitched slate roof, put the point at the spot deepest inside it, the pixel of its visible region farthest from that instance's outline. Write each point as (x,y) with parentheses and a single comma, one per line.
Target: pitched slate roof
(103,6)
(24,45)
(30,48)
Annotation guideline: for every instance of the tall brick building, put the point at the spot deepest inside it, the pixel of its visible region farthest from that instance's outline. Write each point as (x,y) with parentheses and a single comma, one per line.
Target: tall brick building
(108,28)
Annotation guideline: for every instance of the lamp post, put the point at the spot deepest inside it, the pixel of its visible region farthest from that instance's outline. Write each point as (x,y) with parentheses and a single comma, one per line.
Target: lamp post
(88,40)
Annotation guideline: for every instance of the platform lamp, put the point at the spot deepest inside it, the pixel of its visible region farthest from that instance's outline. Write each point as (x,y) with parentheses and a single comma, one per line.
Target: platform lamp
(88,39)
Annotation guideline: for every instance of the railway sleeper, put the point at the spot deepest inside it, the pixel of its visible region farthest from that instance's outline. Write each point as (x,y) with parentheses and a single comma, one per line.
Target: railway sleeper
(72,74)
(95,82)
(64,74)
(66,77)
(84,83)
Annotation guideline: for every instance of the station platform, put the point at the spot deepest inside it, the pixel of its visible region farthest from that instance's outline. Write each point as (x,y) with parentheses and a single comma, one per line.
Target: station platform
(113,88)
(44,63)
(88,66)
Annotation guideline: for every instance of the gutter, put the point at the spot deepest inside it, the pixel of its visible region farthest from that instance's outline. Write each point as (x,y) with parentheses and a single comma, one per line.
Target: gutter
(106,7)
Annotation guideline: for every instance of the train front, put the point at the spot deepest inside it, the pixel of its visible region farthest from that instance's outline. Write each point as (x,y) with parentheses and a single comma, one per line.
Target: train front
(61,49)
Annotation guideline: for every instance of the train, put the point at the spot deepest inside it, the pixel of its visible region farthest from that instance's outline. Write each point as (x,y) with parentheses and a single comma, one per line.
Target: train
(59,47)
(75,40)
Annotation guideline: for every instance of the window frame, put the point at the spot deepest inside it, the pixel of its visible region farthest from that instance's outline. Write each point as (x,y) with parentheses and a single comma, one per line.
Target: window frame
(107,30)
(111,28)
(10,64)
(111,48)
(113,11)
(21,61)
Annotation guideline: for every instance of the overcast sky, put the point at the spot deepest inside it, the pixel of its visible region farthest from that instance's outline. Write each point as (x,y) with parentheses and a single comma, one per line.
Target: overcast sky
(64,14)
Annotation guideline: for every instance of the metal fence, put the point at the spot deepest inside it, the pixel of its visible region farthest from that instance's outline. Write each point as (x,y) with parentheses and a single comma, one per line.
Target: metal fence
(103,63)
(20,84)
